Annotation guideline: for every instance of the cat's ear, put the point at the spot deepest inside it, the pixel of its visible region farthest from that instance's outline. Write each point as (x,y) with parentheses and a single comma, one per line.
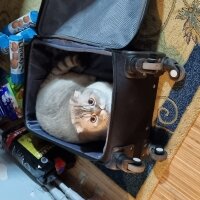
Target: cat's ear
(75,97)
(79,129)
(76,124)
(76,94)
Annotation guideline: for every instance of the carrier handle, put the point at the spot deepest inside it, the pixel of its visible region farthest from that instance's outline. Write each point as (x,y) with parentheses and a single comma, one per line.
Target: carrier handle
(141,66)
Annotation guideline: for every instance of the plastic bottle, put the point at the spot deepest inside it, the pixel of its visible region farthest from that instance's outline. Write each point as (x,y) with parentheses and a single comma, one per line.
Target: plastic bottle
(16,49)
(26,21)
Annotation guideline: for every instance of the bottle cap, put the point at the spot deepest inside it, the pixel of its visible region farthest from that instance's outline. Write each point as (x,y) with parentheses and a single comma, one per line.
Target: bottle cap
(4,42)
(34,16)
(15,38)
(27,34)
(17,79)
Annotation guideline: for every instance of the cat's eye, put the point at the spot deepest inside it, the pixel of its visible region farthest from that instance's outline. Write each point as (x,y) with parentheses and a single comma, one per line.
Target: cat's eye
(91,101)
(93,118)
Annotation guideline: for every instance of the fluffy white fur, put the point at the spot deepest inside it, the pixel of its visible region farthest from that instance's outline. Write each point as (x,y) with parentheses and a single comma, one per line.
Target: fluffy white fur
(63,109)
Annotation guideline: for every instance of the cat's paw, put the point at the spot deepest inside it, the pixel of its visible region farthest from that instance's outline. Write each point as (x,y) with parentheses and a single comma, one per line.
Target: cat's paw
(71,61)
(76,60)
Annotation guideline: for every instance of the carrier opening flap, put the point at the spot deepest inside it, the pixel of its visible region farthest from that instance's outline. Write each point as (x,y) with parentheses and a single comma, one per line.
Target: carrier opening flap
(104,23)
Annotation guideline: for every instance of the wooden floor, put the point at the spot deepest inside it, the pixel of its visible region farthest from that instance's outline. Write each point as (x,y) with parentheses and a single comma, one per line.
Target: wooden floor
(92,183)
(182,180)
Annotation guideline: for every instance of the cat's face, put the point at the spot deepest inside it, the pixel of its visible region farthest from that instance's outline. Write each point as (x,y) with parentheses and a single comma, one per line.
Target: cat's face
(90,111)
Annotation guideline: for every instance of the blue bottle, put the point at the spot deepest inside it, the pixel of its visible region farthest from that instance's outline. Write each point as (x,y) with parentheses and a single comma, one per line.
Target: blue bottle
(26,21)
(27,34)
(16,50)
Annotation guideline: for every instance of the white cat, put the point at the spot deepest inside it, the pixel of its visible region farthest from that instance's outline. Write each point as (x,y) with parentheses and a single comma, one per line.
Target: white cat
(73,107)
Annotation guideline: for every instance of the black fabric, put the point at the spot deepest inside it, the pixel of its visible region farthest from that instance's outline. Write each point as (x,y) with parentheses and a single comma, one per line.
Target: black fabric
(104,23)
(88,28)
(132,100)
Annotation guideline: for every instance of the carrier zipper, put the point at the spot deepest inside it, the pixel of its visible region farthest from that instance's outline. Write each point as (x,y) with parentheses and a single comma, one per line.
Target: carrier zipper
(69,45)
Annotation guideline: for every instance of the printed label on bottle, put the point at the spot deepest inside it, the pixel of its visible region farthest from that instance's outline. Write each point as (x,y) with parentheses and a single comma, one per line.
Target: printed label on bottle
(34,145)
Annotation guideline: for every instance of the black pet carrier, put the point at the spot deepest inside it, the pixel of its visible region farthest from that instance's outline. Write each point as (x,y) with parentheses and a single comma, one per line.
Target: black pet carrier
(102,33)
